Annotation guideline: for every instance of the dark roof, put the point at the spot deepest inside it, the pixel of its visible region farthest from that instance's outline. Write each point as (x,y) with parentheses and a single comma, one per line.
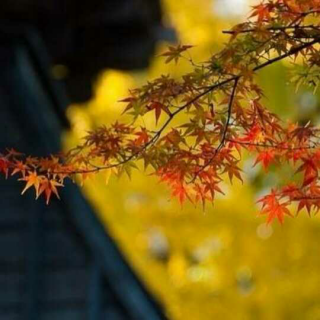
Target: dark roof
(57,262)
(87,36)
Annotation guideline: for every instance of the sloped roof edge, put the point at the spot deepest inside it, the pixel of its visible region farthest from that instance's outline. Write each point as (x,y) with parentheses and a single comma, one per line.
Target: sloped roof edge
(125,283)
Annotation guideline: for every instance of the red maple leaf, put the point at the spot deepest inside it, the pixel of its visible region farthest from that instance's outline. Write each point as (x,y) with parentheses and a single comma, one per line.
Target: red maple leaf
(158,107)
(33,180)
(48,187)
(4,166)
(272,207)
(266,157)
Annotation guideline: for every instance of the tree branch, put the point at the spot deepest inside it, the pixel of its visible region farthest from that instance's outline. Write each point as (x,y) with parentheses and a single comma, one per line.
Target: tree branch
(207,90)
(284,28)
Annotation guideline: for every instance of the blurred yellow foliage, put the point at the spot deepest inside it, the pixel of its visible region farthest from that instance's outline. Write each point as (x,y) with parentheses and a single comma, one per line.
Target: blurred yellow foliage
(222,262)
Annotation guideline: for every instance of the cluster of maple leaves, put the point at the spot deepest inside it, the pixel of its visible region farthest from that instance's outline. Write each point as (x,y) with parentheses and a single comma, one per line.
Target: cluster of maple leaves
(224,107)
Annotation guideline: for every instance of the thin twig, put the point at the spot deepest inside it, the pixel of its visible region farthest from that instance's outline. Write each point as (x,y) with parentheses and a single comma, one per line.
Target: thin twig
(224,134)
(263,145)
(284,28)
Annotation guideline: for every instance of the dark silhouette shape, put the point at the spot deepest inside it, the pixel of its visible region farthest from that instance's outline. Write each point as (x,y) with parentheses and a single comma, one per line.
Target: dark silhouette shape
(57,262)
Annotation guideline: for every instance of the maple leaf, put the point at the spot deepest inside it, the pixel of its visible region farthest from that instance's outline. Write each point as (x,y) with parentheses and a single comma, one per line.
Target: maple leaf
(305,202)
(293,6)
(262,11)
(127,168)
(295,155)
(174,53)
(236,145)
(121,127)
(33,180)
(310,171)
(212,188)
(173,138)
(253,135)
(48,187)
(302,133)
(308,199)
(266,157)
(233,170)
(158,107)
(273,208)
(13,153)
(19,166)
(131,102)
(83,176)
(292,191)
(49,164)
(4,166)
(180,191)
(32,161)
(143,137)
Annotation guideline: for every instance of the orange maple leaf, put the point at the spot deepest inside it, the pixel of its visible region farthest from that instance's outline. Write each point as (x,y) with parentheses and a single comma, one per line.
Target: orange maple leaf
(174,53)
(272,207)
(142,137)
(266,157)
(19,166)
(33,180)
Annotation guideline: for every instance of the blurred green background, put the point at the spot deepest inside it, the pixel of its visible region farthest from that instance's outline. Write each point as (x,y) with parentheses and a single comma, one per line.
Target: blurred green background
(223,262)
